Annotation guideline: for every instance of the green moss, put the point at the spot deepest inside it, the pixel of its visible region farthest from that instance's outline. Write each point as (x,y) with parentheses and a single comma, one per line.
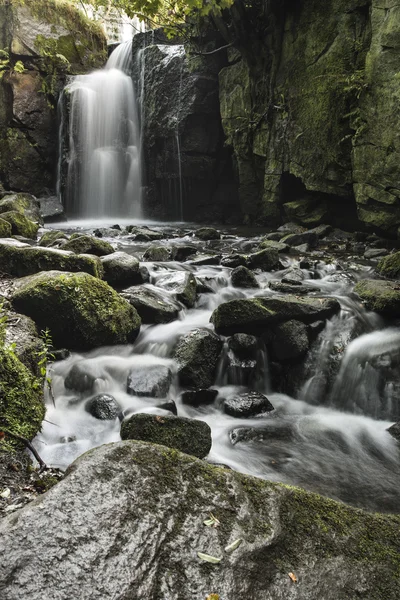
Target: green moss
(389,266)
(5,229)
(22,261)
(21,399)
(49,237)
(157,253)
(380,296)
(86,244)
(20,224)
(81,311)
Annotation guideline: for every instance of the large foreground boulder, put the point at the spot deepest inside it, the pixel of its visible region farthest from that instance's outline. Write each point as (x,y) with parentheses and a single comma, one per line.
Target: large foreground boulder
(21,259)
(253,315)
(81,311)
(128,522)
(186,435)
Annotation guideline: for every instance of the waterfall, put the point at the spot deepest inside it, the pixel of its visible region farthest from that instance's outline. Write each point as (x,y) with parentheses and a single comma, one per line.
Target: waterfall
(104,173)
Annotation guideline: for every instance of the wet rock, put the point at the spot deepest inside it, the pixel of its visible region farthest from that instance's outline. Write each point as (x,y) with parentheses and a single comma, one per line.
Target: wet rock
(278,431)
(144,275)
(52,209)
(20,225)
(144,234)
(253,315)
(5,229)
(103,407)
(213,259)
(266,260)
(321,230)
(394,431)
(157,254)
(389,266)
(286,288)
(151,306)
(80,378)
(314,329)
(183,252)
(183,285)
(25,204)
(234,260)
(111,494)
(207,233)
(248,404)
(61,354)
(275,236)
(197,355)
(381,296)
(199,397)
(111,232)
(298,239)
(293,276)
(81,311)
(289,341)
(240,371)
(242,277)
(243,345)
(302,249)
(51,238)
(153,381)
(291,228)
(203,287)
(120,269)
(278,246)
(86,244)
(375,253)
(170,406)
(21,259)
(186,435)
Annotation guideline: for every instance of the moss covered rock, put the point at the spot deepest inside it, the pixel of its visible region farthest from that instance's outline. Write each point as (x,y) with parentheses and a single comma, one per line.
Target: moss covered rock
(389,266)
(242,277)
(21,398)
(254,315)
(20,225)
(86,244)
(266,260)
(21,259)
(24,204)
(144,505)
(50,238)
(151,306)
(186,435)
(157,254)
(81,311)
(5,229)
(380,296)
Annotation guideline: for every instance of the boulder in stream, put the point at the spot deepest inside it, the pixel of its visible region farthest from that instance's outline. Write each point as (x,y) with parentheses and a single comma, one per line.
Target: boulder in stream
(151,305)
(21,259)
(199,397)
(152,381)
(191,436)
(87,244)
(243,345)
(381,296)
(81,311)
(253,315)
(207,233)
(20,224)
(247,404)
(80,377)
(183,285)
(394,431)
(389,266)
(120,269)
(242,277)
(266,260)
(127,522)
(52,238)
(289,341)
(103,407)
(157,254)
(197,354)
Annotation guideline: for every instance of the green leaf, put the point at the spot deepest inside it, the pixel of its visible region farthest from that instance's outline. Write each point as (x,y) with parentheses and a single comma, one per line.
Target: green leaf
(208,558)
(234,545)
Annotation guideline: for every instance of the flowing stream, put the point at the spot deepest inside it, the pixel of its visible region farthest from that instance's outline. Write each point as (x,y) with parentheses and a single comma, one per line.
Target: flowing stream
(330,437)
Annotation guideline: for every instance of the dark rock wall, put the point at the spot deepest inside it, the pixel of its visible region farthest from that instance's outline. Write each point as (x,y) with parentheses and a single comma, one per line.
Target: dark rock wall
(42,42)
(187,171)
(309,105)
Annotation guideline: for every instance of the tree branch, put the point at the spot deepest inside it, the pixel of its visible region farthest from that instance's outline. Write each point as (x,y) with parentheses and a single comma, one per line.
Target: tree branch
(28,444)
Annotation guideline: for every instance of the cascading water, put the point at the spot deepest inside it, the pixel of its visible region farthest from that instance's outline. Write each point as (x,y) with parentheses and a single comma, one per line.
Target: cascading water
(104,173)
(329,437)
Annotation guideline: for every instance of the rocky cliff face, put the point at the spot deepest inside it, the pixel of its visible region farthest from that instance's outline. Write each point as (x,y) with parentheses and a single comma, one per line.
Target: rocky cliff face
(187,170)
(309,105)
(41,43)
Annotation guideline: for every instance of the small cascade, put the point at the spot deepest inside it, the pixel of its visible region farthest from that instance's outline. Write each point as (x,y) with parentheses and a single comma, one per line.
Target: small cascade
(104,173)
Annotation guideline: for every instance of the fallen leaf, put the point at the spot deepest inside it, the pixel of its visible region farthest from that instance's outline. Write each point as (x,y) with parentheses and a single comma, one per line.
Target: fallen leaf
(5,493)
(234,545)
(207,558)
(293,577)
(160,419)
(212,521)
(213,597)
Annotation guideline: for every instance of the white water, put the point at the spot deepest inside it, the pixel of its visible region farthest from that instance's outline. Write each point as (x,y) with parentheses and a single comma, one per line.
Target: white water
(104,173)
(328,438)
